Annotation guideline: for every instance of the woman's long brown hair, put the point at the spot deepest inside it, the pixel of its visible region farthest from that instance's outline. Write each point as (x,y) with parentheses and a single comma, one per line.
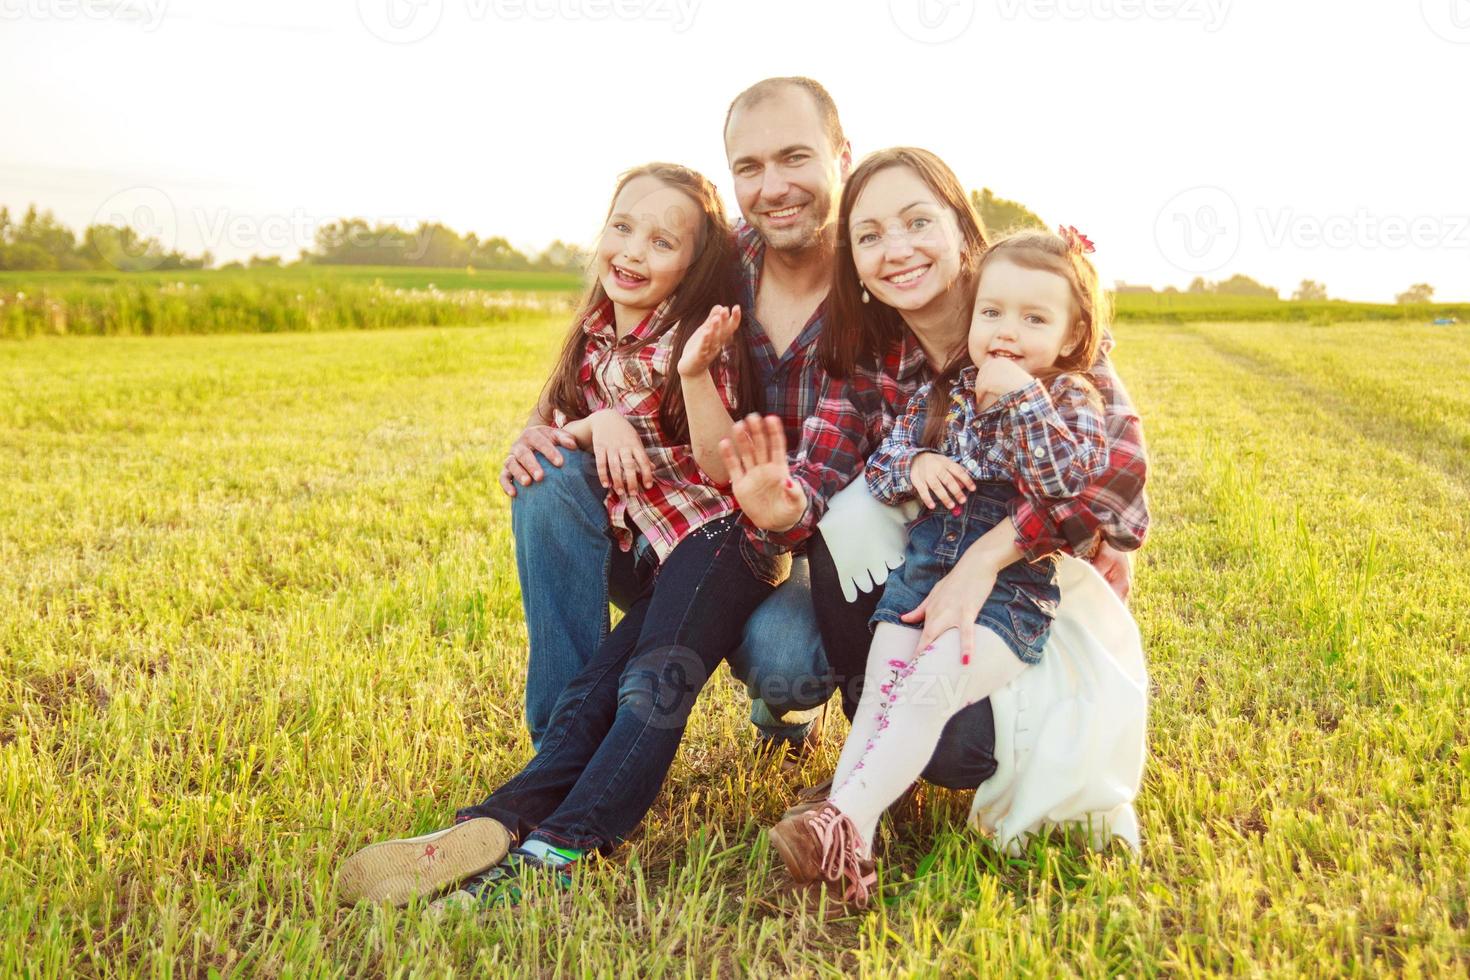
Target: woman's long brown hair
(709,280)
(1043,252)
(858,332)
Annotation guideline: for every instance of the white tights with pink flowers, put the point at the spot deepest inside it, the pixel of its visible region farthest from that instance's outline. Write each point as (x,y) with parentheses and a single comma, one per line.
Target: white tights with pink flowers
(908,697)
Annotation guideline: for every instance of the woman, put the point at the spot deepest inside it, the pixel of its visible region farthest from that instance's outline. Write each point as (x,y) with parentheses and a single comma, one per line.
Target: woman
(901,306)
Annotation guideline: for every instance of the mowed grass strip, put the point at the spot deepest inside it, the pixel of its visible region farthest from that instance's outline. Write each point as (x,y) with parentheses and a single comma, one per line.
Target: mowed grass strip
(258,607)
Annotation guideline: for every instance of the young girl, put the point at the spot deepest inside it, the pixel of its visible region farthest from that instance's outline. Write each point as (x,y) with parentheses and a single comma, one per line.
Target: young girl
(663,261)
(1013,414)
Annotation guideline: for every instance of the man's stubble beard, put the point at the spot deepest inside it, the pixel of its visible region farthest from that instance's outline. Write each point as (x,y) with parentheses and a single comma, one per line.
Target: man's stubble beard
(805,237)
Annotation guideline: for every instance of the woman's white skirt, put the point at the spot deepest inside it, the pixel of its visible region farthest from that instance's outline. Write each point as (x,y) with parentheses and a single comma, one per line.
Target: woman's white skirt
(1070,732)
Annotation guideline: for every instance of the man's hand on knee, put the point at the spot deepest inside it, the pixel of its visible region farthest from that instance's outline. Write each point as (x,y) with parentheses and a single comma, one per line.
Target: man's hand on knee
(522,467)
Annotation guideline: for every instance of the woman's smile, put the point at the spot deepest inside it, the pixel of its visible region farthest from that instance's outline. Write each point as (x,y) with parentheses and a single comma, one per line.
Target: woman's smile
(909,278)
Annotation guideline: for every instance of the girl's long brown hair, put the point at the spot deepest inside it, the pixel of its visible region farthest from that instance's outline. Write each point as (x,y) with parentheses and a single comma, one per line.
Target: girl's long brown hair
(709,280)
(858,332)
(1044,252)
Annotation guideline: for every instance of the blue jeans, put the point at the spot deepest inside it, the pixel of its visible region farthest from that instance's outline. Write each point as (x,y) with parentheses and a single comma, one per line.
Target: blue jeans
(568,575)
(616,728)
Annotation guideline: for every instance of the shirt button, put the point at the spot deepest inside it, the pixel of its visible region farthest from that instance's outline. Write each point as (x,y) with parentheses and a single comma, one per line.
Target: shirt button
(1040,451)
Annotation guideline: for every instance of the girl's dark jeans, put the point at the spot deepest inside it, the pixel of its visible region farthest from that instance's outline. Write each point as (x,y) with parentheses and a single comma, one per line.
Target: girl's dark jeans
(965,756)
(616,728)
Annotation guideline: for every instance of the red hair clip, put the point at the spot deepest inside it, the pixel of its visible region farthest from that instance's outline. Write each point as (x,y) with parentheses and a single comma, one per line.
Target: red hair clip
(1076,241)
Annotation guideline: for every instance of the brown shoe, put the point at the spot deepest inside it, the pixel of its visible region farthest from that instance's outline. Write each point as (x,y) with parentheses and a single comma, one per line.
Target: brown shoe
(395,871)
(822,846)
(809,798)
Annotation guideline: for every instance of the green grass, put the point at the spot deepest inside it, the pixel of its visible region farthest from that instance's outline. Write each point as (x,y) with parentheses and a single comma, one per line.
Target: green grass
(258,608)
(1207,308)
(304,299)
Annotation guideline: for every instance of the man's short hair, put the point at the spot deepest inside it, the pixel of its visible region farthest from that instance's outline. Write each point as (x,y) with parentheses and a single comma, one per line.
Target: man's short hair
(767,87)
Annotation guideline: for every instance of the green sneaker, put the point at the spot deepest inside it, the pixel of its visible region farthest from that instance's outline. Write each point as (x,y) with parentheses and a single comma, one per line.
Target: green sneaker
(501,885)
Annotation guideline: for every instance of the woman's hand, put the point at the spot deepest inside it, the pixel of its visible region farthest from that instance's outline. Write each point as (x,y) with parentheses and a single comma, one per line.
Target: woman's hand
(621,459)
(937,477)
(755,456)
(953,603)
(1116,568)
(703,347)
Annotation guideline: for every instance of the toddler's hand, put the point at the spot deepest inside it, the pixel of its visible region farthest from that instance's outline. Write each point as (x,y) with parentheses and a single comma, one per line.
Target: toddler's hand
(620,454)
(937,477)
(998,377)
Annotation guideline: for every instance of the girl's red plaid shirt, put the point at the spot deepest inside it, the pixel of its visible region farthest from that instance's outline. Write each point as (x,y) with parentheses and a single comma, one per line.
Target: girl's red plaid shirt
(628,376)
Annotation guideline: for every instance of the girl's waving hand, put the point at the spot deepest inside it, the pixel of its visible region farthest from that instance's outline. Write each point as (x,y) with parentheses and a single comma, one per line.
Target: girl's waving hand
(706,343)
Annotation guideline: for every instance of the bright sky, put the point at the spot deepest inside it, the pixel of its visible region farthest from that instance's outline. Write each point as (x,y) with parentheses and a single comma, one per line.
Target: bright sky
(1284,140)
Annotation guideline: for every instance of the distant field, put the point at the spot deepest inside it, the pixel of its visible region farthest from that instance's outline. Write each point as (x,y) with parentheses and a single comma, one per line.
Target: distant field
(1187,307)
(314,298)
(258,608)
(310,298)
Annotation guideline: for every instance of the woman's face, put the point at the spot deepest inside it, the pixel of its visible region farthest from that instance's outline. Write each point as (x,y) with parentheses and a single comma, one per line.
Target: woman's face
(1021,314)
(650,239)
(905,242)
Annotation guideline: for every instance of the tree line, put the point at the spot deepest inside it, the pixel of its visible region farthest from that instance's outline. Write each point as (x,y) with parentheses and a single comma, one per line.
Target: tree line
(39,242)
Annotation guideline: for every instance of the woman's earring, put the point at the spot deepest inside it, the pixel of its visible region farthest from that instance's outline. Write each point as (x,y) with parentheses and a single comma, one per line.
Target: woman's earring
(865,294)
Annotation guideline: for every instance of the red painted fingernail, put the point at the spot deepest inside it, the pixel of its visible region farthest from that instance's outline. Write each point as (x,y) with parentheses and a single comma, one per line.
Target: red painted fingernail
(956,512)
(790,484)
(965,659)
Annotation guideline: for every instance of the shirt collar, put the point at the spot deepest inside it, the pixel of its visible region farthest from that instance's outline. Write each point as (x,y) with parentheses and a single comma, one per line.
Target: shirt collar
(601,321)
(911,360)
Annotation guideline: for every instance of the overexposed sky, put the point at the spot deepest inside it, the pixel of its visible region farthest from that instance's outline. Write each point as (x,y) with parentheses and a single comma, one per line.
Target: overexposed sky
(1285,139)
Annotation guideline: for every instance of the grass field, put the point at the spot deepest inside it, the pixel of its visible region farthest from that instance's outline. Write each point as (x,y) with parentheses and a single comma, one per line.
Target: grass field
(258,608)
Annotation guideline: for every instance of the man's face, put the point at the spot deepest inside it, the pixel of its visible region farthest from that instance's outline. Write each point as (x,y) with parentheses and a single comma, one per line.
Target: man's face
(787,176)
